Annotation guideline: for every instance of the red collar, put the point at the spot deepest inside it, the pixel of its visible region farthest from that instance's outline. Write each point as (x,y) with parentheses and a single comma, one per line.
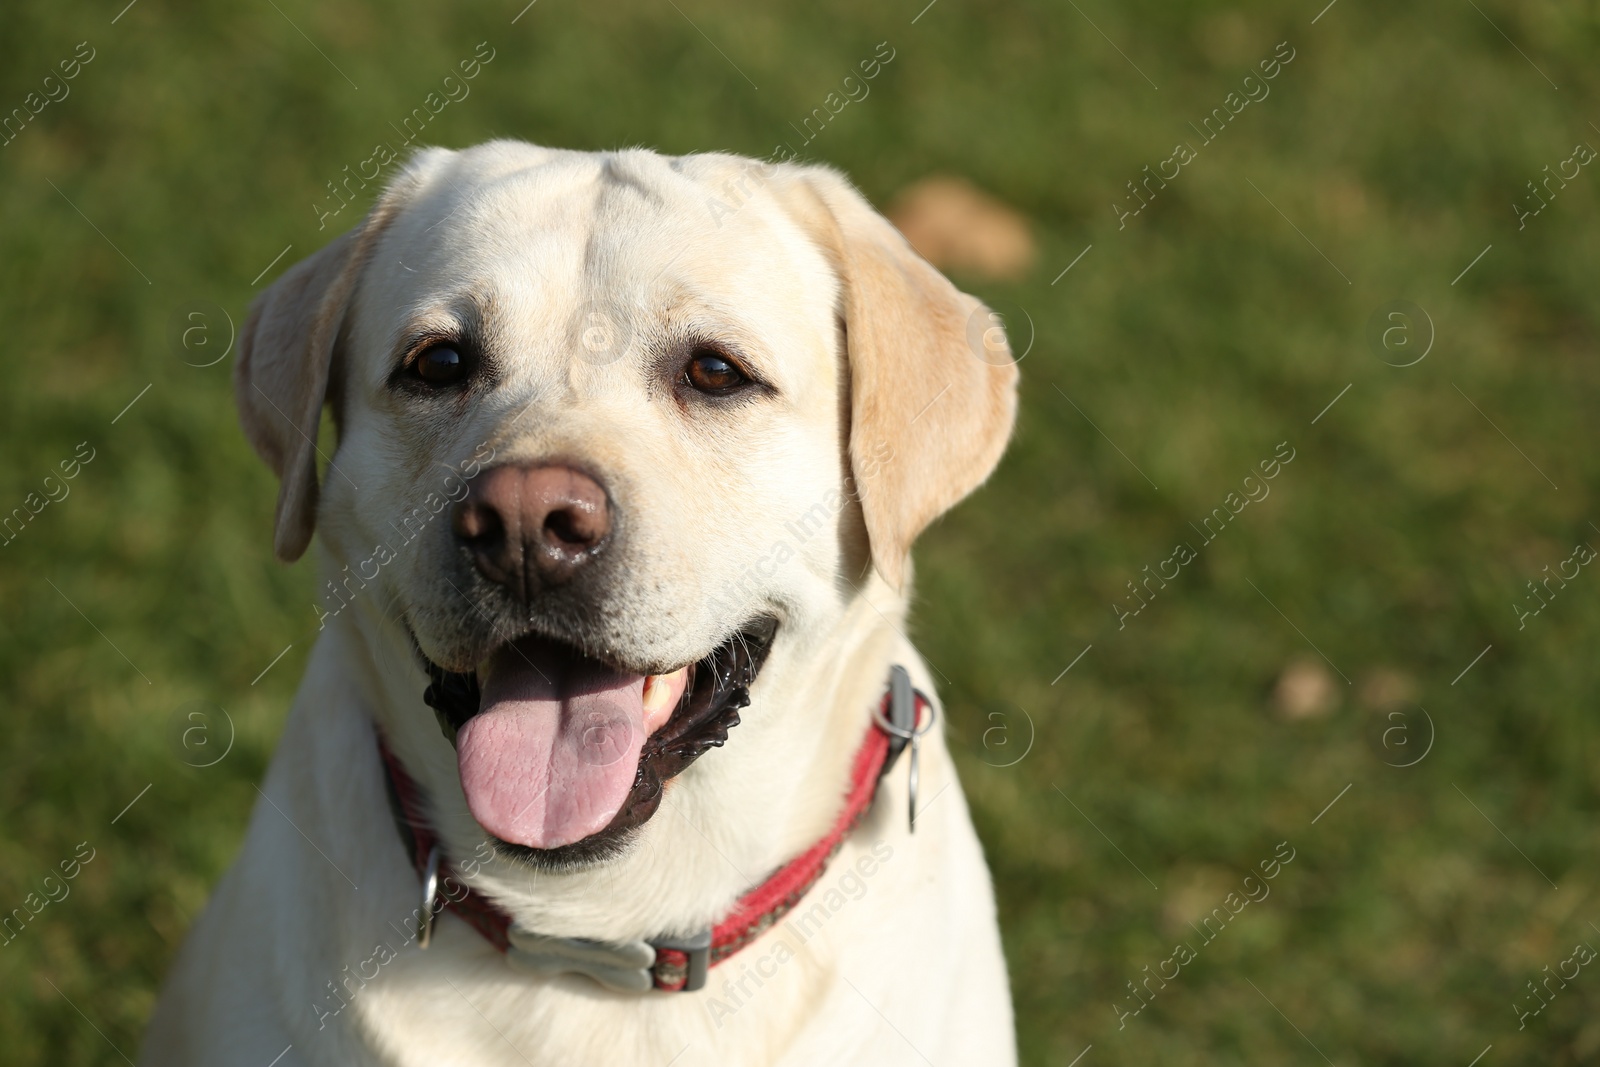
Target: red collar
(679,965)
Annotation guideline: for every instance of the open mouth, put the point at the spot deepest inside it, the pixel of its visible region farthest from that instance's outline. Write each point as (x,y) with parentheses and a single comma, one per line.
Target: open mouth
(562,755)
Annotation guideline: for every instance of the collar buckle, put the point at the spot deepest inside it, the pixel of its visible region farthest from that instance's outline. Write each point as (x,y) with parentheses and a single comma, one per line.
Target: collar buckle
(696,962)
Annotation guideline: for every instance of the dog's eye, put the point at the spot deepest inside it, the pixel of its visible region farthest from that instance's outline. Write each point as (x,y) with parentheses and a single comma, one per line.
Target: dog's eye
(710,371)
(441,365)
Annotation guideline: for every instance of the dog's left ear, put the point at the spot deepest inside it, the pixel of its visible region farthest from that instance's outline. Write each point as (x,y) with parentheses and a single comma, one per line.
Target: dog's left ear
(933,387)
(287,354)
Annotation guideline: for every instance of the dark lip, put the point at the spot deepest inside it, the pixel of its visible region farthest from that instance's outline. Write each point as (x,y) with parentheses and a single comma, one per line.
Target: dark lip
(719,687)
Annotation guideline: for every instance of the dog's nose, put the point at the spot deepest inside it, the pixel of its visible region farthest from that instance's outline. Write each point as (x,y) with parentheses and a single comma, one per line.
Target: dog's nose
(532,526)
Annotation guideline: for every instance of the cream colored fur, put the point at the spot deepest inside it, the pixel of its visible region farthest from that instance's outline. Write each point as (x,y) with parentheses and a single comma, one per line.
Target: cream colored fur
(883,413)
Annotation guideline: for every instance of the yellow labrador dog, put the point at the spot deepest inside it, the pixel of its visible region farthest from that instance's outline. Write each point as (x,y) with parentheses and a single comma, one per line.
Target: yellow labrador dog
(609,748)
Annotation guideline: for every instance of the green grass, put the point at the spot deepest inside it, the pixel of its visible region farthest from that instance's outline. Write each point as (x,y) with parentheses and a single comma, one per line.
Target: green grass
(1197,338)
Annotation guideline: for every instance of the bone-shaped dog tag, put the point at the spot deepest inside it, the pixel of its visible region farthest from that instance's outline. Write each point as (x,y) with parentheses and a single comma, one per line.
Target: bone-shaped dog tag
(622,966)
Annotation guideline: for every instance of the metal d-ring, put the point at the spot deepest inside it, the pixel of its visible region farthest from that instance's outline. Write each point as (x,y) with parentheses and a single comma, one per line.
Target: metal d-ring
(910,735)
(430,889)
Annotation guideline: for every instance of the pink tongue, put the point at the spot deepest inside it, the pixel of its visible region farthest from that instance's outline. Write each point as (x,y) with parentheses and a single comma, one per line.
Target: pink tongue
(552,754)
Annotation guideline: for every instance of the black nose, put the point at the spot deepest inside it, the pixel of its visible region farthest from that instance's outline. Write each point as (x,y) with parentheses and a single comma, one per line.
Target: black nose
(529,527)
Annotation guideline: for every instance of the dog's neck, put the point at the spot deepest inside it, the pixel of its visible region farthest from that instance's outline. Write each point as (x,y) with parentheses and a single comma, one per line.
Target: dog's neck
(731,818)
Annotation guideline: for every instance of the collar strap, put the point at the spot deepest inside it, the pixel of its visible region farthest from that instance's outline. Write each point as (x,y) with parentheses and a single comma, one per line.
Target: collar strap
(665,963)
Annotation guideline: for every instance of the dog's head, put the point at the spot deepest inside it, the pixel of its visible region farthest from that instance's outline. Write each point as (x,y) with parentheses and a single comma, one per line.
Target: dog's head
(613,428)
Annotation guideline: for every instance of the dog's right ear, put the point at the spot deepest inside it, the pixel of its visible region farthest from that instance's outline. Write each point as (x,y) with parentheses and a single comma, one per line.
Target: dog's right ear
(281,379)
(288,353)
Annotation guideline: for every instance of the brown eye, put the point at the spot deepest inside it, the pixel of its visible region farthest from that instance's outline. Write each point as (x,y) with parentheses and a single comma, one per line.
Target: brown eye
(441,365)
(710,371)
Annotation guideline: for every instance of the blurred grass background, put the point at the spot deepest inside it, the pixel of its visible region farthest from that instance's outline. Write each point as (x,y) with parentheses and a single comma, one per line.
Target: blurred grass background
(1171,758)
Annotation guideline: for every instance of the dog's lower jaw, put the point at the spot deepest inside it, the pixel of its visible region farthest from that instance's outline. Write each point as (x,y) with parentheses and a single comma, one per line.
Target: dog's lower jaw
(714,690)
(738,813)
